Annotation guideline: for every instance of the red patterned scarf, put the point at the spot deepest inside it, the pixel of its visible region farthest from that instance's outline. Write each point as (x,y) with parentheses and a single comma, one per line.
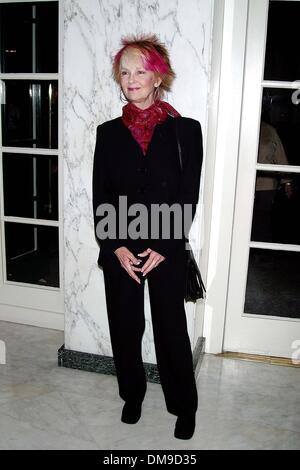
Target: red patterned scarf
(141,122)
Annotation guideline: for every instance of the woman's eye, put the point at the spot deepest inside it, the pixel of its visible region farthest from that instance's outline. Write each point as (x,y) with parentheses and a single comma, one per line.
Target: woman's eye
(123,72)
(141,72)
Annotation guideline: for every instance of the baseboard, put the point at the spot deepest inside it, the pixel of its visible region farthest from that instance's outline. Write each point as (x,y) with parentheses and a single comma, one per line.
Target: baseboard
(273,360)
(31,316)
(105,364)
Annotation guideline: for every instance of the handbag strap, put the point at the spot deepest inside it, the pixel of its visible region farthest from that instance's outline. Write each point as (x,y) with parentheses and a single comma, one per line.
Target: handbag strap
(178,144)
(180,160)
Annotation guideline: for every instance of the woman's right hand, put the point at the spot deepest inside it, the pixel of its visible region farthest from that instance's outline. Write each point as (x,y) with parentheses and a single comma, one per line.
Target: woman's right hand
(127,261)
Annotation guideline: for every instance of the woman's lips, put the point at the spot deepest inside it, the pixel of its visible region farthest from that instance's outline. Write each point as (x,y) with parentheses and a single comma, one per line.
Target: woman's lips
(133,89)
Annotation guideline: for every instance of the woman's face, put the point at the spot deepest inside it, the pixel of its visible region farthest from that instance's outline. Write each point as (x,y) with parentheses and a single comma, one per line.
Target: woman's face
(137,83)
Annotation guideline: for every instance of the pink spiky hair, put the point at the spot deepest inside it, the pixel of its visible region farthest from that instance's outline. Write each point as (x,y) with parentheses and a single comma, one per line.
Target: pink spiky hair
(154,55)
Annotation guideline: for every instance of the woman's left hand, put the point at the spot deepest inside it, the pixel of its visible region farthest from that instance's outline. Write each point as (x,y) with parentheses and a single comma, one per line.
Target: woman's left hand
(152,262)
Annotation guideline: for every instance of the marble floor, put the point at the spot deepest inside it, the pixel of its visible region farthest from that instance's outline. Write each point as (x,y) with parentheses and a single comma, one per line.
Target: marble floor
(242,405)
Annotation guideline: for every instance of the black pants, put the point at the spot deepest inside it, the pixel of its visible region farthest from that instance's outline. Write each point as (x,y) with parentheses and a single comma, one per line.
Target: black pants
(125,308)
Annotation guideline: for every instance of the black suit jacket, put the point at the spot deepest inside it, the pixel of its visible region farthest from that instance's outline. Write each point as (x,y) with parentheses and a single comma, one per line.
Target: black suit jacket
(121,169)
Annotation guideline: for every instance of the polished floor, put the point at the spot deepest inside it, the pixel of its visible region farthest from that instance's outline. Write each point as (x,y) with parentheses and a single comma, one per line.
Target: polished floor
(242,405)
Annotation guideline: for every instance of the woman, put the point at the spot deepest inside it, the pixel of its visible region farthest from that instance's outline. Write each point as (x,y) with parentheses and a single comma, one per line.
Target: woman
(136,158)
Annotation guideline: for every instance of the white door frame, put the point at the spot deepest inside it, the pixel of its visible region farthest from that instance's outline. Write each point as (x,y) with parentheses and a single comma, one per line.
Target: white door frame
(254,334)
(26,303)
(224,116)
(224,122)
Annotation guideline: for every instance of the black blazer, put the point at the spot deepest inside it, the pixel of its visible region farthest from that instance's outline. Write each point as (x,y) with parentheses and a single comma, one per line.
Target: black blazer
(121,168)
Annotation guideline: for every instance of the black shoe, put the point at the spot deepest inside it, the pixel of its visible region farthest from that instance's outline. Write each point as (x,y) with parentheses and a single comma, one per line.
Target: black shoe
(185,426)
(131,413)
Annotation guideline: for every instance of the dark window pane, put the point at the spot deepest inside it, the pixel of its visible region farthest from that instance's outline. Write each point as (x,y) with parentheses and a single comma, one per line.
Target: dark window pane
(47,37)
(276,208)
(282,59)
(273,283)
(30,114)
(29,37)
(280,124)
(16,37)
(30,186)
(32,254)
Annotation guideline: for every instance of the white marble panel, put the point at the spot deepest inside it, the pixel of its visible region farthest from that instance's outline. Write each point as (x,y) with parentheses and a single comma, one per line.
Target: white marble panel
(92,32)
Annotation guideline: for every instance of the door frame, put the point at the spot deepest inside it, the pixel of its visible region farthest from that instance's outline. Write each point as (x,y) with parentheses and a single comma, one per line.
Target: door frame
(244,332)
(229,42)
(224,120)
(27,303)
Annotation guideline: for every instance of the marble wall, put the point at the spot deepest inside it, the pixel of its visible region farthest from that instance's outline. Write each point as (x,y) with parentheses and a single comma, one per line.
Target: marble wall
(92,32)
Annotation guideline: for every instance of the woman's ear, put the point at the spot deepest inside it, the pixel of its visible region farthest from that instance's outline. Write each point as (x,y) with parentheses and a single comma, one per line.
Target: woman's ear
(158,82)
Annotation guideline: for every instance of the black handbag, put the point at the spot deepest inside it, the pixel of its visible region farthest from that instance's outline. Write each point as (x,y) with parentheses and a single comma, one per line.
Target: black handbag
(194,287)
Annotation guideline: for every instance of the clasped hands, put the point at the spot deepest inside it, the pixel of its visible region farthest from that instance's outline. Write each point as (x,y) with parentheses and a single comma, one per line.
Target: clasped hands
(128,261)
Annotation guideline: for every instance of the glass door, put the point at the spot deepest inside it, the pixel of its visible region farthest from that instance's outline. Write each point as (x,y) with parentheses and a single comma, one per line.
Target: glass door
(263,309)
(30,164)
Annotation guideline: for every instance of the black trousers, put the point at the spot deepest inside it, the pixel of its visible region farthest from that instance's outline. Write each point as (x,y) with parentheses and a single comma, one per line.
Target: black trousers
(125,309)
